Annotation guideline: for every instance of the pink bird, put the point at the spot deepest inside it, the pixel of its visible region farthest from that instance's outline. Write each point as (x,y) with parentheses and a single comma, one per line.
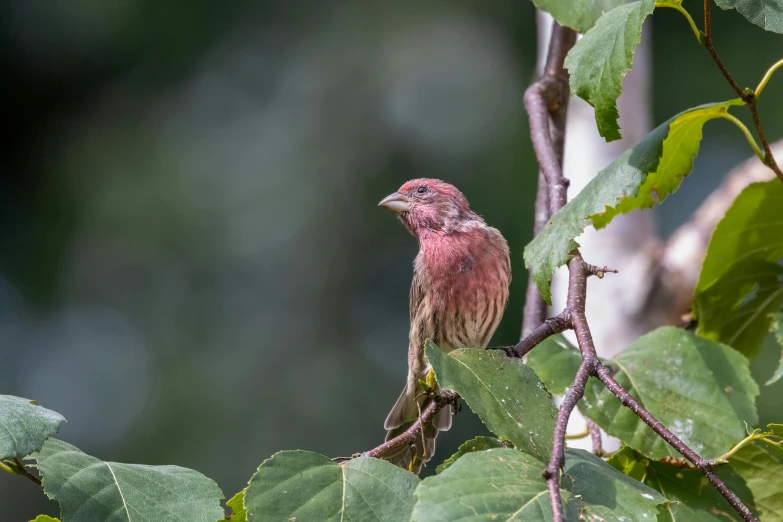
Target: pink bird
(459,291)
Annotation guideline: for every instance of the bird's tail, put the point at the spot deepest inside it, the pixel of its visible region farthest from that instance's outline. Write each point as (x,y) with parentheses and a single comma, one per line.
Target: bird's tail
(402,416)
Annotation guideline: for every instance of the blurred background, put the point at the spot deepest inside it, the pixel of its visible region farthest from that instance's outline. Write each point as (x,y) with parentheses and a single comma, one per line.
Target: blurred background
(193,269)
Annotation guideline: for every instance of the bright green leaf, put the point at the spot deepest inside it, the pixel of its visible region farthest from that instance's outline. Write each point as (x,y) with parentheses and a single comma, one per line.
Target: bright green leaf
(641,177)
(497,484)
(471,446)
(741,282)
(767,14)
(301,485)
(764,475)
(555,361)
(24,426)
(700,390)
(598,62)
(45,518)
(776,327)
(237,505)
(580,15)
(91,490)
(506,484)
(505,393)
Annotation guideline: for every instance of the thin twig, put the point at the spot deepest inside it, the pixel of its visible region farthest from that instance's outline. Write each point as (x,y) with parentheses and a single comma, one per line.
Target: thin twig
(595,437)
(553,325)
(18,469)
(748,96)
(441,400)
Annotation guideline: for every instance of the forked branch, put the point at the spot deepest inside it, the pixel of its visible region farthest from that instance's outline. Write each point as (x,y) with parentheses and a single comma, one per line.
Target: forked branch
(574,314)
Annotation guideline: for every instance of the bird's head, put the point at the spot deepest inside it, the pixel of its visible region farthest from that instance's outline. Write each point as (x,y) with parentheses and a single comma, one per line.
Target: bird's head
(430,204)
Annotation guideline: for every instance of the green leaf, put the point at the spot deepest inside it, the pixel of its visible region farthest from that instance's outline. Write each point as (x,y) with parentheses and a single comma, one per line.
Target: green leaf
(45,518)
(741,282)
(24,426)
(700,390)
(763,473)
(506,484)
(555,361)
(607,493)
(776,430)
(598,62)
(89,489)
(505,393)
(301,485)
(767,14)
(776,327)
(471,446)
(237,505)
(497,484)
(580,15)
(641,177)
(695,499)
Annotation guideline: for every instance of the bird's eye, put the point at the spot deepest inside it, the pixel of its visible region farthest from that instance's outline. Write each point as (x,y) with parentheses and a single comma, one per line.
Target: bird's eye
(422,190)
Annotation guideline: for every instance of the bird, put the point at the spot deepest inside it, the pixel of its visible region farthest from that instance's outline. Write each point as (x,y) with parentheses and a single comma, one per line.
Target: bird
(460,287)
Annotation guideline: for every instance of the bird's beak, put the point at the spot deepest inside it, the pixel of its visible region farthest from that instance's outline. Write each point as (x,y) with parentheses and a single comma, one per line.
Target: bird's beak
(396,202)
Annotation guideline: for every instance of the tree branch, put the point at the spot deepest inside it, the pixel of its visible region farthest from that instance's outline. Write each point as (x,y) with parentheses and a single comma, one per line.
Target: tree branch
(441,400)
(748,96)
(536,98)
(561,41)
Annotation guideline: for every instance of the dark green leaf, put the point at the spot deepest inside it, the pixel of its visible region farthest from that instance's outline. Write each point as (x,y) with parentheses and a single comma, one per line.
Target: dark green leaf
(580,15)
(641,177)
(497,484)
(607,493)
(763,473)
(91,490)
(471,446)
(555,361)
(505,393)
(24,426)
(696,499)
(702,391)
(741,282)
(598,62)
(506,484)
(767,14)
(237,505)
(301,485)
(776,327)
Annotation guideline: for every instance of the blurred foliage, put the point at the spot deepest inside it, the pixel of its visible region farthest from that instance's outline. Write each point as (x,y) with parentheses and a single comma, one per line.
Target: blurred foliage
(187,205)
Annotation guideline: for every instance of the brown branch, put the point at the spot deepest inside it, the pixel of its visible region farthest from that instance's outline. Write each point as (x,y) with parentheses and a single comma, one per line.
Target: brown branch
(552,92)
(553,325)
(17,468)
(538,98)
(748,96)
(441,400)
(595,437)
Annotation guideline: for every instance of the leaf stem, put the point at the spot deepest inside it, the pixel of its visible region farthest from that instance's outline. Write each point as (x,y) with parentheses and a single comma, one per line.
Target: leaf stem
(763,83)
(8,469)
(747,134)
(582,434)
(687,15)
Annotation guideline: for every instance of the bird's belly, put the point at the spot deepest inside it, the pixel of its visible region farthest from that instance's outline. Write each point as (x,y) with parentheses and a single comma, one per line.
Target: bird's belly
(470,316)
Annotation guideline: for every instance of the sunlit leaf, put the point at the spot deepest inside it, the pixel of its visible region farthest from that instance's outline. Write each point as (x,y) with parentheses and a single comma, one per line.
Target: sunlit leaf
(301,485)
(642,176)
(776,326)
(24,426)
(763,472)
(741,281)
(237,505)
(598,62)
(91,490)
(505,393)
(700,390)
(45,518)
